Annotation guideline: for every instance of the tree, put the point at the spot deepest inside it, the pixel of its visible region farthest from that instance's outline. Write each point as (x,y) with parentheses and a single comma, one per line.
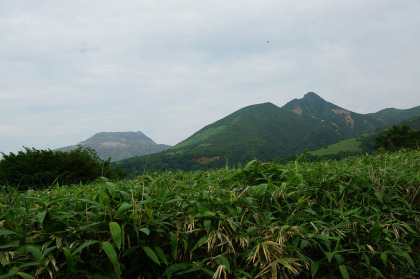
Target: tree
(34,168)
(398,136)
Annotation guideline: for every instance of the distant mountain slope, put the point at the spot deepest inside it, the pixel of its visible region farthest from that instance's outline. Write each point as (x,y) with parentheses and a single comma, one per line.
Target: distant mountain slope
(394,116)
(262,131)
(120,145)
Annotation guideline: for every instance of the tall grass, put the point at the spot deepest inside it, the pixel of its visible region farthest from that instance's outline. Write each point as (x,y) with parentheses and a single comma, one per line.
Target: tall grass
(356,218)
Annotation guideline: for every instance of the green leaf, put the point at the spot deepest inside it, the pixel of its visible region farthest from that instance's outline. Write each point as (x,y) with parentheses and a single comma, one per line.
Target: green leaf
(329,195)
(25,275)
(191,269)
(69,260)
(204,214)
(111,187)
(350,212)
(343,270)
(200,242)
(300,177)
(123,208)
(36,252)
(225,262)
(103,198)
(41,216)
(175,269)
(303,244)
(379,197)
(329,256)
(81,247)
(6,232)
(161,255)
(48,250)
(151,254)
(145,231)
(185,245)
(283,186)
(313,225)
(207,225)
(249,165)
(341,189)
(384,258)
(313,212)
(314,268)
(112,256)
(174,244)
(409,259)
(115,229)
(11,272)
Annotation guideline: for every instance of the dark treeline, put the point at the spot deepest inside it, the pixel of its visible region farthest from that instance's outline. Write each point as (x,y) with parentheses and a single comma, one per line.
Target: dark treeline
(34,168)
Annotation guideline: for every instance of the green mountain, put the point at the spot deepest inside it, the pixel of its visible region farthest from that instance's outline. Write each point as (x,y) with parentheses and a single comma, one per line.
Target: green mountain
(262,131)
(119,145)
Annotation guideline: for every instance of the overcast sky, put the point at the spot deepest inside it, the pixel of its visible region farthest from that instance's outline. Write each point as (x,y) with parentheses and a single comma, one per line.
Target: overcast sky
(70,69)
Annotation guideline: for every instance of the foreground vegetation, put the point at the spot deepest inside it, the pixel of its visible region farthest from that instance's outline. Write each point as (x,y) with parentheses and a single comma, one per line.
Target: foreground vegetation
(355,218)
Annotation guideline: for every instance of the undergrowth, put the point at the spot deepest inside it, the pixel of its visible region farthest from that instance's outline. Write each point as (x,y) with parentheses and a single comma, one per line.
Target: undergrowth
(354,218)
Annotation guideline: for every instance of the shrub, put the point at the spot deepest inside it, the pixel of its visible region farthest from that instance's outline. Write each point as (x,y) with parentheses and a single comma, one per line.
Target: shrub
(34,168)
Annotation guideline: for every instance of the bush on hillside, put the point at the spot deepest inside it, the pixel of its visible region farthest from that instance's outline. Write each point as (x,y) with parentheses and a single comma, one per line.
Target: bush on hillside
(397,137)
(34,168)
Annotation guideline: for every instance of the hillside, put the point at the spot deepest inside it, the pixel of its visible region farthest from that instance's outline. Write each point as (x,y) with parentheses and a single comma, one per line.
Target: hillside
(120,145)
(263,131)
(360,145)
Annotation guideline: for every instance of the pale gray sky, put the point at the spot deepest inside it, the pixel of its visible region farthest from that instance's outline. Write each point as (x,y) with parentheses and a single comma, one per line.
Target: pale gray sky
(70,69)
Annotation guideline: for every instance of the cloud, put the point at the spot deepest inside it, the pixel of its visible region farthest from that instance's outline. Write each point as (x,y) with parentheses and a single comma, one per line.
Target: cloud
(71,69)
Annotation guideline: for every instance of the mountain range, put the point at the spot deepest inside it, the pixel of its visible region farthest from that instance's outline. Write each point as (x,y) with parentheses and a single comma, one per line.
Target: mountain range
(119,145)
(268,132)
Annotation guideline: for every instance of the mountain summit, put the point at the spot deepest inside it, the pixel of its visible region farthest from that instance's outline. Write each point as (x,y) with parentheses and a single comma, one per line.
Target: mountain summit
(120,145)
(347,124)
(310,104)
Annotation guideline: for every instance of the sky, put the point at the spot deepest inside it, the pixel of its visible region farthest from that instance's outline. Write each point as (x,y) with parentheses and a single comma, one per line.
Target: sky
(70,69)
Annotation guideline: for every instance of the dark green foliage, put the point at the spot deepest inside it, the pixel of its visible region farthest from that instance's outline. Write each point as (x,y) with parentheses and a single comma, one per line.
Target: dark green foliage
(397,137)
(356,218)
(34,168)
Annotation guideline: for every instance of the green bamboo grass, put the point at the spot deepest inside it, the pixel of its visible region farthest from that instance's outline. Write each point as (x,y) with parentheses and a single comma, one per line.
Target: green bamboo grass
(356,218)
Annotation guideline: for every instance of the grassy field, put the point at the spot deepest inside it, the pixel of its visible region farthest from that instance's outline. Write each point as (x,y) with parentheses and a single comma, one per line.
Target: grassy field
(355,218)
(347,145)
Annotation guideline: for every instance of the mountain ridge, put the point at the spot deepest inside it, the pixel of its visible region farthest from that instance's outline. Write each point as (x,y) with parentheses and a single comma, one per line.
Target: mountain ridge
(267,132)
